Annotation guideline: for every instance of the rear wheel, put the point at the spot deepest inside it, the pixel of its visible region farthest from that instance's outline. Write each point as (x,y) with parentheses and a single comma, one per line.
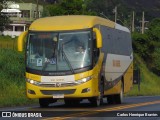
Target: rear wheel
(118,98)
(110,99)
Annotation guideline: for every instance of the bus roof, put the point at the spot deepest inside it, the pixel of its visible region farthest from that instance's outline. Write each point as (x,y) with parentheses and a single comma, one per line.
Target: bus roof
(69,22)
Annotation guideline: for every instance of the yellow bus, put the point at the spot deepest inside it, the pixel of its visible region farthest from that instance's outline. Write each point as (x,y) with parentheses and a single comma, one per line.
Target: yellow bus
(77,57)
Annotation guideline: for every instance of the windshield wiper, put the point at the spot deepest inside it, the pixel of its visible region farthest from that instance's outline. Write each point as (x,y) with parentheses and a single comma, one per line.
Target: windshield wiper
(65,56)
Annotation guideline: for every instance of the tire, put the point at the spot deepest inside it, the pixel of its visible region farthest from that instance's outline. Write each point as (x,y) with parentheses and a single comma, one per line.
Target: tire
(119,97)
(110,99)
(97,101)
(43,102)
(101,92)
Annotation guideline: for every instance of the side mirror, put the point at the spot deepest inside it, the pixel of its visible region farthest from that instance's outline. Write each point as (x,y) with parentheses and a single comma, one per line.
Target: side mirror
(21,40)
(98,37)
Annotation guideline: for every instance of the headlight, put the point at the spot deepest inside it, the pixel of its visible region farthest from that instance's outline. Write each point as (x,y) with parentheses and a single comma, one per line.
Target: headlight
(32,81)
(84,80)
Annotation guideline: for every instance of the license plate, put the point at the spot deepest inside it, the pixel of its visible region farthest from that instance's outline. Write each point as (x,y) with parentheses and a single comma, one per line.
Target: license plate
(58,96)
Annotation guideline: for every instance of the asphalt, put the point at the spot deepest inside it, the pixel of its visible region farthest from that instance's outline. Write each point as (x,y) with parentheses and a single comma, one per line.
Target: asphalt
(133,108)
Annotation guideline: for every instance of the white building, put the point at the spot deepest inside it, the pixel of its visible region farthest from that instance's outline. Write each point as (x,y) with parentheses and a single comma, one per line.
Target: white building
(21,16)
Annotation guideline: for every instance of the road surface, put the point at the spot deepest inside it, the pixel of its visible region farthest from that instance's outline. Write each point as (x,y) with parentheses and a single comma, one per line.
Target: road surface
(146,107)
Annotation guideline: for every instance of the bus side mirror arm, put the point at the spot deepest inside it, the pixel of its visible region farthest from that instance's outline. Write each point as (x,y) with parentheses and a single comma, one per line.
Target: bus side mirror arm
(21,40)
(98,37)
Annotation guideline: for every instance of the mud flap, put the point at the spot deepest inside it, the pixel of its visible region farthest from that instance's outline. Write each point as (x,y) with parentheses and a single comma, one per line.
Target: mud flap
(136,77)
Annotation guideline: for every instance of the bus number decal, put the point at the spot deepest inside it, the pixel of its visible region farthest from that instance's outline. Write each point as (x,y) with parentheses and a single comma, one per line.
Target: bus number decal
(116,63)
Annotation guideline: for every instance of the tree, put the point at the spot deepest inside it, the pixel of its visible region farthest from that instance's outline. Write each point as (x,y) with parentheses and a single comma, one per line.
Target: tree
(55,10)
(99,6)
(140,44)
(69,7)
(154,30)
(4,20)
(148,45)
(156,65)
(154,36)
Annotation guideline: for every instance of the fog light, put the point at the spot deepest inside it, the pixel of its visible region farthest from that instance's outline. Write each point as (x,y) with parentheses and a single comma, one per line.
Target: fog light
(86,90)
(31,92)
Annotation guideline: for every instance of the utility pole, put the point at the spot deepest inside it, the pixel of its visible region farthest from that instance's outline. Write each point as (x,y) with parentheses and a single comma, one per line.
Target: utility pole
(133,22)
(115,10)
(143,22)
(37,13)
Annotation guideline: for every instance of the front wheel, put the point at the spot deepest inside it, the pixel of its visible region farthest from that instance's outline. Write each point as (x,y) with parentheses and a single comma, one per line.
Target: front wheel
(97,101)
(70,102)
(43,103)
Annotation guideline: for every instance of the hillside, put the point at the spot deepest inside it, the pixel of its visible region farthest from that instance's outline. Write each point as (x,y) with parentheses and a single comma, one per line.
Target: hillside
(149,81)
(152,7)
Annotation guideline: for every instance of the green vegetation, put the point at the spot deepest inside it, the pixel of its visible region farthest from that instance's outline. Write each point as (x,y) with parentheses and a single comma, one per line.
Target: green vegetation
(147,46)
(68,7)
(12,87)
(4,20)
(147,56)
(149,81)
(8,42)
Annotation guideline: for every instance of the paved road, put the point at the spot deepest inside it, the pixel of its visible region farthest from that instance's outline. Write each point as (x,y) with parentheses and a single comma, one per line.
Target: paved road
(132,106)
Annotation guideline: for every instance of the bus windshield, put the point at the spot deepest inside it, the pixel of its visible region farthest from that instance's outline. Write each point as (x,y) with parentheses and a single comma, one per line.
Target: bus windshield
(64,51)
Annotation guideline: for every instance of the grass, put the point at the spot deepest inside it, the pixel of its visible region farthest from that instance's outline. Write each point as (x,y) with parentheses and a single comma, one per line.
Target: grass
(12,87)
(8,42)
(149,81)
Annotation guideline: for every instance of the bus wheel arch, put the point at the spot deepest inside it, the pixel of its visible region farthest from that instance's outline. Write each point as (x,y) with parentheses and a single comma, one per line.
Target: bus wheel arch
(117,98)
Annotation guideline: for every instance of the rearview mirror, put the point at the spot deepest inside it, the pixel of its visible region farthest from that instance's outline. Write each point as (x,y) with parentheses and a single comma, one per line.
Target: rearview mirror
(21,40)
(98,37)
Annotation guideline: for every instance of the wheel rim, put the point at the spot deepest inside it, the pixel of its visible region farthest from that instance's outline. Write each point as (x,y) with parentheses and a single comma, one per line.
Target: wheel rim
(98,100)
(121,93)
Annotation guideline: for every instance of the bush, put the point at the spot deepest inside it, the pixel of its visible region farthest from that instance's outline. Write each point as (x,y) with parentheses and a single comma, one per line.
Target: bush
(12,87)
(143,46)
(12,64)
(156,65)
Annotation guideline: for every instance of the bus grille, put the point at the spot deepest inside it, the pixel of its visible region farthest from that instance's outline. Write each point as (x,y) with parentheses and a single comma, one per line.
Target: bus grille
(51,92)
(55,85)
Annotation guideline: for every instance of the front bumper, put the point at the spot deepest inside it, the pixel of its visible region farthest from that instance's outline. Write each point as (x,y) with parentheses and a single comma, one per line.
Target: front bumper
(85,90)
